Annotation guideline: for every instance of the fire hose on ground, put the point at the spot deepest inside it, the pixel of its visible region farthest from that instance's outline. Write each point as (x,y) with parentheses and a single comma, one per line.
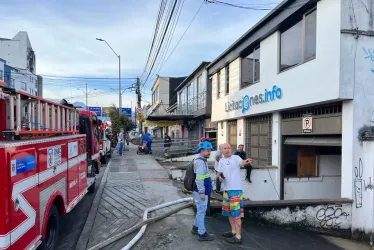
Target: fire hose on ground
(143,225)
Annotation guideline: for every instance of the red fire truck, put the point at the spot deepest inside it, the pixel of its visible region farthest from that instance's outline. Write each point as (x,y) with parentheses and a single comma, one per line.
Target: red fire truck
(48,160)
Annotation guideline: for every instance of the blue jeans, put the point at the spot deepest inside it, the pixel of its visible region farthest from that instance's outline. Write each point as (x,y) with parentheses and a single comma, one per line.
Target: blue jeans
(201,206)
(149,145)
(121,147)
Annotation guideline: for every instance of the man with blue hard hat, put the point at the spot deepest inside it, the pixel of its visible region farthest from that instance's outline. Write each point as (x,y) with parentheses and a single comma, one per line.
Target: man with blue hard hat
(202,189)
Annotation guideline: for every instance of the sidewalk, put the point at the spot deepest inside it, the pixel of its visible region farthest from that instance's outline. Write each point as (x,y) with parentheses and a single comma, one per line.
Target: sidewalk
(135,182)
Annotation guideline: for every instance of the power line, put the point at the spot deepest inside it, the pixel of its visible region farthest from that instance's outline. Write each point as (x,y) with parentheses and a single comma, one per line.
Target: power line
(257,8)
(155,32)
(162,40)
(158,37)
(69,77)
(180,39)
(168,42)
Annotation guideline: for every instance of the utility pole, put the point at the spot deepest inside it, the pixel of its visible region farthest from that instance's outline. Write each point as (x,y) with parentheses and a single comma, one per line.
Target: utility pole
(119,86)
(139,95)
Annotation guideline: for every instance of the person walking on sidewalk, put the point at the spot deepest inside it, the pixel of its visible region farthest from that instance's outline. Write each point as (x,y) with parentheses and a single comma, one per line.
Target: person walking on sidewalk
(240,152)
(232,205)
(203,188)
(218,157)
(121,142)
(167,144)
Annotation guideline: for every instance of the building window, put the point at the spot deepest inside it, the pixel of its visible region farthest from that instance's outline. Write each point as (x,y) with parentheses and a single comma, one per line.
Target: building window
(218,84)
(1,75)
(201,90)
(298,43)
(251,68)
(227,74)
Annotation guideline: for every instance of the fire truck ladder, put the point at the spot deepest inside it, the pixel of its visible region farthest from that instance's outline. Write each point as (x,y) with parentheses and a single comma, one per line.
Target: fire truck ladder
(30,117)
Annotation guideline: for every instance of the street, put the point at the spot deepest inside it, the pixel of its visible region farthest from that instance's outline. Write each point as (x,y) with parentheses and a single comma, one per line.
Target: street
(72,224)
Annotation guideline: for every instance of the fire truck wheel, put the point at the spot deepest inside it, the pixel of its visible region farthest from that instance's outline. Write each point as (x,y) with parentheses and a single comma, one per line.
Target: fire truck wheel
(96,168)
(52,230)
(104,159)
(91,189)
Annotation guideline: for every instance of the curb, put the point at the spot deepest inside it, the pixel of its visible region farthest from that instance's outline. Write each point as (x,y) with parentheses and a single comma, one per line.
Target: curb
(85,234)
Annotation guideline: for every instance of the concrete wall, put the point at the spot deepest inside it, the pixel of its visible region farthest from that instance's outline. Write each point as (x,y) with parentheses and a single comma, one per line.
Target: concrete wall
(325,218)
(327,185)
(261,188)
(308,78)
(356,81)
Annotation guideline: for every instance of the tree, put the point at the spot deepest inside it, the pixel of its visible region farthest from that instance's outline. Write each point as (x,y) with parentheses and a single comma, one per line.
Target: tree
(120,121)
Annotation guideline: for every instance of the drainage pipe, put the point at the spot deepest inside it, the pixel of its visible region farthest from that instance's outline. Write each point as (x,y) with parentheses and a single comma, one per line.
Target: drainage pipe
(143,225)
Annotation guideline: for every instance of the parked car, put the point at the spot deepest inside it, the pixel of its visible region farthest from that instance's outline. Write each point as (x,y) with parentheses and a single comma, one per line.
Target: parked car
(133,136)
(105,145)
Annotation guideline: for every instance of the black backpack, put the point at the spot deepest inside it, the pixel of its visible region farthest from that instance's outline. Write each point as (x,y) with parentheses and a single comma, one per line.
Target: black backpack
(190,176)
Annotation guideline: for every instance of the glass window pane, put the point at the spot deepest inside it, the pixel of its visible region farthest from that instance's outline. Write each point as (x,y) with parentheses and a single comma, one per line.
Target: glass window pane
(310,35)
(247,70)
(256,58)
(291,47)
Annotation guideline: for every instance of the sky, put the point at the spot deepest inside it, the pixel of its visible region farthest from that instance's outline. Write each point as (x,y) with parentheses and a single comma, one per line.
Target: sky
(63,35)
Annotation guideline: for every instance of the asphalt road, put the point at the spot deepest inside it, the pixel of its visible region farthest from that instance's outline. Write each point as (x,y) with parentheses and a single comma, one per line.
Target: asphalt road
(72,224)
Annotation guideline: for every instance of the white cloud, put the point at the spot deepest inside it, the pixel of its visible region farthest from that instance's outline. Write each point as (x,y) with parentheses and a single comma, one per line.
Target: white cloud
(63,37)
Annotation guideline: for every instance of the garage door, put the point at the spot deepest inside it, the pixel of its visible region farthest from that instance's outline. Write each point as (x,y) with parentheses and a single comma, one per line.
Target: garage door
(259,139)
(232,134)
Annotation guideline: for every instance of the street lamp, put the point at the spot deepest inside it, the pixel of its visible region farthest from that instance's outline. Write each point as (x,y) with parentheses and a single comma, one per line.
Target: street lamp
(119,75)
(87,92)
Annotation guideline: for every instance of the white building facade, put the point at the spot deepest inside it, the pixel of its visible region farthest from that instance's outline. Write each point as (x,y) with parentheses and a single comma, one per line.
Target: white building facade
(297,91)
(20,64)
(18,52)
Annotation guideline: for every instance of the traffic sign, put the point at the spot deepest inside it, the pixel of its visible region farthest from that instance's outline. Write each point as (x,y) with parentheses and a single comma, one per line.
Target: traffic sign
(140,117)
(97,110)
(307,124)
(139,110)
(126,111)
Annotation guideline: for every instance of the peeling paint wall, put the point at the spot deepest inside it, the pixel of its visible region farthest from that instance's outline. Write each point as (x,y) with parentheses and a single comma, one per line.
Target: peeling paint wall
(356,83)
(330,218)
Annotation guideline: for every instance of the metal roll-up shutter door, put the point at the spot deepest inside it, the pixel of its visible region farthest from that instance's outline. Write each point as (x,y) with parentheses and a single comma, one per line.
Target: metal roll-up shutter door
(232,134)
(259,139)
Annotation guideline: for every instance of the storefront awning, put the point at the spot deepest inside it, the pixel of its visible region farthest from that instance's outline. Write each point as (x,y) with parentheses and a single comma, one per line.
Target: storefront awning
(314,141)
(162,123)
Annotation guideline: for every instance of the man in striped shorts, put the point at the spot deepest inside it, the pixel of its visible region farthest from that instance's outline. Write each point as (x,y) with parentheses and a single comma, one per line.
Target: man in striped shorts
(232,206)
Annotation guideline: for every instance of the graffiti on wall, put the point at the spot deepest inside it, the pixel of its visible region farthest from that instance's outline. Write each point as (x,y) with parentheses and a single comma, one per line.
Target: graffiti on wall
(331,216)
(369,186)
(358,183)
(369,54)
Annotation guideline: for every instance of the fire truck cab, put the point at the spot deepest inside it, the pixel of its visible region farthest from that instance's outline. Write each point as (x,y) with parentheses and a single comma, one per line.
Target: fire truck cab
(89,125)
(48,161)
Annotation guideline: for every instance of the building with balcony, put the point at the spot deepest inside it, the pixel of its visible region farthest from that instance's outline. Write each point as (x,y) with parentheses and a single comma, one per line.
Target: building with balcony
(164,99)
(297,90)
(194,101)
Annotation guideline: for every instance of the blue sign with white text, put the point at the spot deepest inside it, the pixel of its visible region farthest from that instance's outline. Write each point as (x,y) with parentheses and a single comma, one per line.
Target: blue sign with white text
(97,110)
(126,111)
(22,165)
(275,93)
